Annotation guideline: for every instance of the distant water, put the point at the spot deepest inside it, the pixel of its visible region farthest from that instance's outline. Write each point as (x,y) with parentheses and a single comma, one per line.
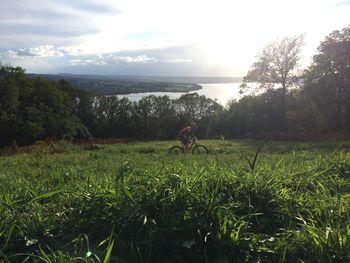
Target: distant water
(221,92)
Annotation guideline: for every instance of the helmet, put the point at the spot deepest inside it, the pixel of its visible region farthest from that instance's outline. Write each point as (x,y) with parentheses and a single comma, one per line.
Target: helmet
(193,124)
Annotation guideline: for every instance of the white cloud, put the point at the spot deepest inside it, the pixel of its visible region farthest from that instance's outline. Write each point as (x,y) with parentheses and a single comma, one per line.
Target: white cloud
(43,51)
(110,59)
(137,59)
(70,50)
(226,35)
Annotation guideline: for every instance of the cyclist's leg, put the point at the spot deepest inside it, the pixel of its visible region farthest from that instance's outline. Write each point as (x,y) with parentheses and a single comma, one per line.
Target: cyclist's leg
(185,142)
(182,139)
(190,143)
(186,146)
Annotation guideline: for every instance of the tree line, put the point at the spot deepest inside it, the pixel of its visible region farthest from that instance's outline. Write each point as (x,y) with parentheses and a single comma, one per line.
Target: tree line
(34,109)
(316,99)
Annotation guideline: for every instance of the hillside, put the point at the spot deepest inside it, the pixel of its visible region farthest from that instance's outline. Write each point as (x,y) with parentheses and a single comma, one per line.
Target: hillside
(135,203)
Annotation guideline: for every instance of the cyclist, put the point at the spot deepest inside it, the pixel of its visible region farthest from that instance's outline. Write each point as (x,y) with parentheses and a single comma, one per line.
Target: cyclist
(186,136)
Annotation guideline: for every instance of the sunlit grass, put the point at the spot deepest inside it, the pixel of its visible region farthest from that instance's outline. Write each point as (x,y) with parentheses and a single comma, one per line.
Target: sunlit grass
(135,203)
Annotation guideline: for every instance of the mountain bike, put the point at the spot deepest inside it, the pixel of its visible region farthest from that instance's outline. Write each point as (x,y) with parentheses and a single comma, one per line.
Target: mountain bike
(194,147)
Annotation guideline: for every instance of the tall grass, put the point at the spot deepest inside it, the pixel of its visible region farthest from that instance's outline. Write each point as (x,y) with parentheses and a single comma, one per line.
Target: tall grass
(125,203)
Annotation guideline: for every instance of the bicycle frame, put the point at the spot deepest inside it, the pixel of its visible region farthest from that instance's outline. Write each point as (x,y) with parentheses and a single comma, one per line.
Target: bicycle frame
(194,142)
(193,147)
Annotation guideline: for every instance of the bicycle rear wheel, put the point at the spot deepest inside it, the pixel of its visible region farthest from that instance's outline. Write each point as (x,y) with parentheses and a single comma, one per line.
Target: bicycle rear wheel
(200,149)
(176,150)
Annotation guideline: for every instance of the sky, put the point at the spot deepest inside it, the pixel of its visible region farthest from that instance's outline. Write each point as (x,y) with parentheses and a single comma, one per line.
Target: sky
(158,37)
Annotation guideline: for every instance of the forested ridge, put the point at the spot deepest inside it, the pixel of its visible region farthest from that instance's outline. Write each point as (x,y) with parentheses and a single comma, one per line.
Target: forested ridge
(315,100)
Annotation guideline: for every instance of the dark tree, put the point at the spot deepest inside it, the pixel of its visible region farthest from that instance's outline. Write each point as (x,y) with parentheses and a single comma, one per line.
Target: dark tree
(112,117)
(155,117)
(193,107)
(33,109)
(327,80)
(9,93)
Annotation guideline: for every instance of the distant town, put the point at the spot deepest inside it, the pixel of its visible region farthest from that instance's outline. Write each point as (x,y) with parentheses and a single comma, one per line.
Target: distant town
(114,85)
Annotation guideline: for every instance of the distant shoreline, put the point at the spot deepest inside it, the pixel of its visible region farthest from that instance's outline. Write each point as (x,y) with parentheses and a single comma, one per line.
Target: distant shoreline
(172,79)
(171,89)
(106,86)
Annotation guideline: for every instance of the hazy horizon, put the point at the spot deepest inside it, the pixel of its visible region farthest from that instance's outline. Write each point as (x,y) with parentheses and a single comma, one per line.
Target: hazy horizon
(144,78)
(158,38)
(133,75)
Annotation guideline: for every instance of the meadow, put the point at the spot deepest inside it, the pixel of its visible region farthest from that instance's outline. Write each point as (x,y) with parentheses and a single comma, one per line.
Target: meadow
(136,203)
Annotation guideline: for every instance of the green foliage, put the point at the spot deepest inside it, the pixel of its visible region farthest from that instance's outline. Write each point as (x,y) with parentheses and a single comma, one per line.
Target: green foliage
(37,109)
(276,63)
(321,104)
(327,81)
(152,117)
(119,203)
(34,109)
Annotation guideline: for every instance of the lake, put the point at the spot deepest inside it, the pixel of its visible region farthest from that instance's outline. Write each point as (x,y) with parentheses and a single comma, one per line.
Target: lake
(222,92)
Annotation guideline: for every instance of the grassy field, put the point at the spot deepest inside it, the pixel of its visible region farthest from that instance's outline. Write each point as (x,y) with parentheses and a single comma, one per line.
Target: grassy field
(136,203)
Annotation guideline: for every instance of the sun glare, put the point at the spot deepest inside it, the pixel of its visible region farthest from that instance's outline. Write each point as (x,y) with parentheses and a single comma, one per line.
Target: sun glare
(222,36)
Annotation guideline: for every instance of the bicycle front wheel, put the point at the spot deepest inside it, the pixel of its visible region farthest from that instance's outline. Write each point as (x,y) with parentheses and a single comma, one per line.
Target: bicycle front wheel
(200,149)
(176,150)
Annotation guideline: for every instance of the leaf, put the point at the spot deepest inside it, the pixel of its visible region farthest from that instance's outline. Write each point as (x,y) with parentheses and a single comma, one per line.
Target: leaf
(45,196)
(128,194)
(45,256)
(10,234)
(102,242)
(109,251)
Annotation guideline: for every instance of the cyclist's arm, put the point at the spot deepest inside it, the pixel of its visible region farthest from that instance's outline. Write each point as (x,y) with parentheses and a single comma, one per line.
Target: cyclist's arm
(184,131)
